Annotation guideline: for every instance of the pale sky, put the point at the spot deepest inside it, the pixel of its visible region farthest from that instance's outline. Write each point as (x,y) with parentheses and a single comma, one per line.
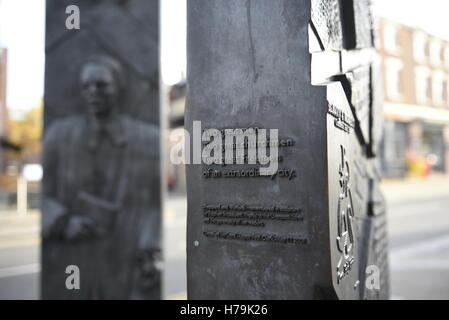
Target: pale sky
(429,15)
(22,31)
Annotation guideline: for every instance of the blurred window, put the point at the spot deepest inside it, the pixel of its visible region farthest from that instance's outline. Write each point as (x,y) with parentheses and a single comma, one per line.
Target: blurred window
(422,84)
(427,50)
(394,148)
(391,38)
(443,54)
(429,89)
(420,46)
(438,87)
(444,91)
(446,56)
(394,78)
(435,52)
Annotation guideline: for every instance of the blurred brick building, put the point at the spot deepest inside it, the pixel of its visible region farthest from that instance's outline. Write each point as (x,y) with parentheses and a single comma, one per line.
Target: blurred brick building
(416,85)
(3,108)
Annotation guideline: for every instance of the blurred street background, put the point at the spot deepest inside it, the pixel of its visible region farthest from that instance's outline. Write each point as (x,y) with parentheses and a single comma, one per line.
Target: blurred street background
(418,229)
(413,50)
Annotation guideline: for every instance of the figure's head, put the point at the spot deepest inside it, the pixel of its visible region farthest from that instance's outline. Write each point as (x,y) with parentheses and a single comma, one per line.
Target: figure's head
(102,85)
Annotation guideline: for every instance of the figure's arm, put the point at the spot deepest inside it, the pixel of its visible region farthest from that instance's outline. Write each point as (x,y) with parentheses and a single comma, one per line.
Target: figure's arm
(149,187)
(52,209)
(150,253)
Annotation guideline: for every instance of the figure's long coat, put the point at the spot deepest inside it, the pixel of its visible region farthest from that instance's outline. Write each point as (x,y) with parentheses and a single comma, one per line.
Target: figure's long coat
(117,171)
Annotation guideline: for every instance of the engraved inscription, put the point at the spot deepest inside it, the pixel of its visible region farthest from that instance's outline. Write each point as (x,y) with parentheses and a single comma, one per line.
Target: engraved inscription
(252,163)
(265,237)
(253,212)
(342,120)
(235,222)
(260,217)
(248,173)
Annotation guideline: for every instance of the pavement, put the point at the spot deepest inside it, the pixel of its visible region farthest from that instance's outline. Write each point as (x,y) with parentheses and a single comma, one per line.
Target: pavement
(418,220)
(20,253)
(418,212)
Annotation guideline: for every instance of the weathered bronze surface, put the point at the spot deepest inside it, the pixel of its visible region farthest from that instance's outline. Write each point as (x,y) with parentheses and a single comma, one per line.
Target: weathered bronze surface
(316,229)
(101,205)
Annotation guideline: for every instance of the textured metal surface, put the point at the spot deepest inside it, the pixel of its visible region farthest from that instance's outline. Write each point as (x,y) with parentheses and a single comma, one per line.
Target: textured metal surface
(112,27)
(359,89)
(363,24)
(326,20)
(357,24)
(312,230)
(376,110)
(101,199)
(348,193)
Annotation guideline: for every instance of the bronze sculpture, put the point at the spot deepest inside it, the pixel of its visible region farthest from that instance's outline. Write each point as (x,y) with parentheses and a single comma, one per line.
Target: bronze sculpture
(98,190)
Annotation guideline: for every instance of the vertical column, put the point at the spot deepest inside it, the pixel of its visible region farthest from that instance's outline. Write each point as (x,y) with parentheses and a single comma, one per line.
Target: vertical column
(101,202)
(311,228)
(252,236)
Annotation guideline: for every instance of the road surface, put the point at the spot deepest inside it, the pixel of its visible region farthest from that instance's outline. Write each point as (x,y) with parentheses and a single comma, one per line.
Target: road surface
(418,229)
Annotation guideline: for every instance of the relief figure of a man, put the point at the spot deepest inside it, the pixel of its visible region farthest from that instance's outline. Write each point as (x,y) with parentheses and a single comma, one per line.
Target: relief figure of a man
(101,195)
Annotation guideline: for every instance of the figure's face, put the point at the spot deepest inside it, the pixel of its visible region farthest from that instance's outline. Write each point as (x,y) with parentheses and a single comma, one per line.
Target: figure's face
(100,89)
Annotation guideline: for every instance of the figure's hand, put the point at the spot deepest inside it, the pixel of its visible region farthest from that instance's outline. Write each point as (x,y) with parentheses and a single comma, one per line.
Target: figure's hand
(79,227)
(149,261)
